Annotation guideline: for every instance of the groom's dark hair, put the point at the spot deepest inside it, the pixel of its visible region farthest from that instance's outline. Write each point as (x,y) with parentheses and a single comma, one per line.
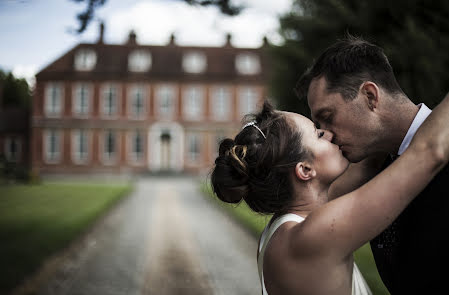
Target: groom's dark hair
(346,65)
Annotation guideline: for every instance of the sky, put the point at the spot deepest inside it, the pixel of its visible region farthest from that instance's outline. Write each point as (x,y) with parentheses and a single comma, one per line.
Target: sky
(34,33)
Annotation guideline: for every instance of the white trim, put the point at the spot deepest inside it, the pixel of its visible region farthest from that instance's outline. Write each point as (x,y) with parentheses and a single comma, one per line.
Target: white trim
(132,157)
(139,61)
(49,110)
(75,87)
(130,94)
(74,144)
(193,102)
(171,92)
(220,95)
(80,60)
(59,145)
(7,145)
(104,90)
(110,161)
(248,97)
(194,158)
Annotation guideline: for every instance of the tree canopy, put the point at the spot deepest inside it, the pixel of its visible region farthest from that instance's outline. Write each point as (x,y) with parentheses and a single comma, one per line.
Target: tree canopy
(15,91)
(86,16)
(413,33)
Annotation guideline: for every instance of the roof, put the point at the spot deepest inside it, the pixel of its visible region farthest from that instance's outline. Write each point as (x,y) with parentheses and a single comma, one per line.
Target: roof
(112,64)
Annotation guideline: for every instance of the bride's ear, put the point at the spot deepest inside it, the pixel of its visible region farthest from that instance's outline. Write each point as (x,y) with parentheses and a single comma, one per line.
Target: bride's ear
(304,171)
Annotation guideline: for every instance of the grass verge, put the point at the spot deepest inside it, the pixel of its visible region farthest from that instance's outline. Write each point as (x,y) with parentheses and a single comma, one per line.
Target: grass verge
(256,223)
(37,221)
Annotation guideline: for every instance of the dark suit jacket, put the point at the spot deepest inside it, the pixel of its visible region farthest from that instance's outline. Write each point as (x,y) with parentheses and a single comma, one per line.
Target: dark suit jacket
(412,254)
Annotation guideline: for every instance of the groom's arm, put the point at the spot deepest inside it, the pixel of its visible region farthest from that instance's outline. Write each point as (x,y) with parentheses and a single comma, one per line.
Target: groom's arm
(356,175)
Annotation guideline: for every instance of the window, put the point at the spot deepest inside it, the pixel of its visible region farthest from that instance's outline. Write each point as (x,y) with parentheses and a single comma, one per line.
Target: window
(194,62)
(193,101)
(139,61)
(247,64)
(80,146)
(52,146)
(110,101)
(247,100)
(165,96)
(221,104)
(54,100)
(82,98)
(109,147)
(193,145)
(136,102)
(13,149)
(137,145)
(85,59)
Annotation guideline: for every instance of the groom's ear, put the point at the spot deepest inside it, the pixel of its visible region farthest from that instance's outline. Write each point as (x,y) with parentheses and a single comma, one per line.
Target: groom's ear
(304,171)
(370,92)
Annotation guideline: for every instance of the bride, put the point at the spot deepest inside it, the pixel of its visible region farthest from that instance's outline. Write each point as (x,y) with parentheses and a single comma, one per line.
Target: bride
(281,164)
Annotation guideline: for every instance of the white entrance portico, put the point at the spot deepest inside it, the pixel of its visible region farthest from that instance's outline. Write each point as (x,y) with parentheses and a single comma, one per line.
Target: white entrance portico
(166,147)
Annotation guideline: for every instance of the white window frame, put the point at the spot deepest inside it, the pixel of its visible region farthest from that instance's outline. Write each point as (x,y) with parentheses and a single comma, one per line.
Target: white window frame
(7,148)
(56,158)
(193,102)
(105,90)
(75,154)
(85,59)
(139,61)
(221,96)
(248,97)
(132,91)
(54,105)
(134,158)
(170,91)
(105,159)
(247,63)
(76,108)
(193,158)
(194,62)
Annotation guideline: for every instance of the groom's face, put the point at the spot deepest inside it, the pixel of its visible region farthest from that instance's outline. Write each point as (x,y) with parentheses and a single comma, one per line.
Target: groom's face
(348,120)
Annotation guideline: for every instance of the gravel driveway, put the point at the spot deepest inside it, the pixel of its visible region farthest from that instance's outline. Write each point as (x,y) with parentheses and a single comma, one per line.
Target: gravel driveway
(163,239)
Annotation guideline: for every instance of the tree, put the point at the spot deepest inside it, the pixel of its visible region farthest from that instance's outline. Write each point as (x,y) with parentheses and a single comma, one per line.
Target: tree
(413,33)
(15,91)
(85,17)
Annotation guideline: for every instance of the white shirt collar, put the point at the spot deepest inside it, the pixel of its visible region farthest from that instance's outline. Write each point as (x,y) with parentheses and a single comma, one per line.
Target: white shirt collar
(422,114)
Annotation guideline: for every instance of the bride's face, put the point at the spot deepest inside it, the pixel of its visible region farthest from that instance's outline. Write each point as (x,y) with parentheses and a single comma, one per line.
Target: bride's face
(328,160)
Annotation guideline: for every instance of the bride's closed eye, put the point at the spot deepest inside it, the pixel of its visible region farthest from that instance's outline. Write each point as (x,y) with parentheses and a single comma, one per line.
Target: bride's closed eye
(320,134)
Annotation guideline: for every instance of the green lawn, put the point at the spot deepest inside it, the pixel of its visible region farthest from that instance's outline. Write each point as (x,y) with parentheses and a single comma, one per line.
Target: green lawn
(256,223)
(38,220)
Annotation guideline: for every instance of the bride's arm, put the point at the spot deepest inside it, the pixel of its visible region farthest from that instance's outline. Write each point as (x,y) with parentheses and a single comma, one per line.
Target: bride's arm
(346,223)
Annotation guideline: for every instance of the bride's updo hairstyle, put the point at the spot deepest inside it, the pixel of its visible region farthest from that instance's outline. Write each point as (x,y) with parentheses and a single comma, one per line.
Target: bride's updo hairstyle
(256,165)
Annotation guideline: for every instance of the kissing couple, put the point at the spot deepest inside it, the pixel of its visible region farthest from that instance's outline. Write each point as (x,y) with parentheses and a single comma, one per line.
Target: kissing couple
(370,167)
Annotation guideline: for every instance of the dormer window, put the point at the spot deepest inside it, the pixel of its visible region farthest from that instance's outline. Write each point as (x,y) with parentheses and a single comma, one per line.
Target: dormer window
(247,64)
(139,61)
(85,60)
(194,62)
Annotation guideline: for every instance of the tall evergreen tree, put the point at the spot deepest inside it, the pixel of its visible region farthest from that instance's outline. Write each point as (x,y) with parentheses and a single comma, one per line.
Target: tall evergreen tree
(413,33)
(15,91)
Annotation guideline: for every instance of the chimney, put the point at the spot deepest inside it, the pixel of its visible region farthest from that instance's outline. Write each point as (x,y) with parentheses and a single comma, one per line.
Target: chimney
(132,38)
(228,40)
(265,41)
(100,38)
(172,40)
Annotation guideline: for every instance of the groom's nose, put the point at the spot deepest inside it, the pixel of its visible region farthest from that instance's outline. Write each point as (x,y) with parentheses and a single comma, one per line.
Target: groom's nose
(328,135)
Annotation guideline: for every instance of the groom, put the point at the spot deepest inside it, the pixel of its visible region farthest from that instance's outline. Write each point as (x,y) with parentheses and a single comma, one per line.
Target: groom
(352,92)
